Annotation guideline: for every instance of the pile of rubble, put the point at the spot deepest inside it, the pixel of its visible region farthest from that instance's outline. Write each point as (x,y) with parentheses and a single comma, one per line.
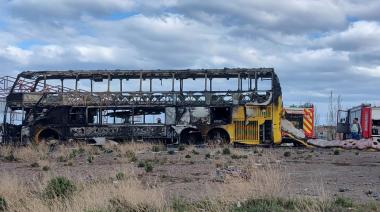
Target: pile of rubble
(346,144)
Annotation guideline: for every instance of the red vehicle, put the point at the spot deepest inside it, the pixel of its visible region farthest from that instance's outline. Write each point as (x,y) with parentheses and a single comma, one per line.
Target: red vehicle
(302,117)
(368,117)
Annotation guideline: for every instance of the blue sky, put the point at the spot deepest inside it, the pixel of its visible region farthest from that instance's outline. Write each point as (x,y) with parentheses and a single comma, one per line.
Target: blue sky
(316,46)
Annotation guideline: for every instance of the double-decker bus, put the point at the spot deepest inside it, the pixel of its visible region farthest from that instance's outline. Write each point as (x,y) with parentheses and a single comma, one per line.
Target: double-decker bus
(238,105)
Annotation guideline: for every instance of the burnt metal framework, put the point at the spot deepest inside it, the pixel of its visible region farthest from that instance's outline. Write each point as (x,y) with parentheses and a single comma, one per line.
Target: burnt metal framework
(77,113)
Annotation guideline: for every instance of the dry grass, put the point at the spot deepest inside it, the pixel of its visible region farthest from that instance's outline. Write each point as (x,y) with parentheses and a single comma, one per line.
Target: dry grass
(262,177)
(26,196)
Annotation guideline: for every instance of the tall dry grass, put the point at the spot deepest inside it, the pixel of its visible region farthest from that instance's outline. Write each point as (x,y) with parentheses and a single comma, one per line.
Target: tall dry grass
(130,192)
(263,177)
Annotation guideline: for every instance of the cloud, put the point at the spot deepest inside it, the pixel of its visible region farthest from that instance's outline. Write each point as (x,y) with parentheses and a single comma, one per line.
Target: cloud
(315,46)
(56,10)
(360,36)
(371,71)
(286,16)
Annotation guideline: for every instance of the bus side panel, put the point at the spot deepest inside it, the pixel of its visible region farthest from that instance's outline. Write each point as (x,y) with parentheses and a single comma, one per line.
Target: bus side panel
(277,114)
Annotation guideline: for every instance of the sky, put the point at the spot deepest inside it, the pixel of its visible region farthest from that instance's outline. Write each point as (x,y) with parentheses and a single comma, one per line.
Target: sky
(315,46)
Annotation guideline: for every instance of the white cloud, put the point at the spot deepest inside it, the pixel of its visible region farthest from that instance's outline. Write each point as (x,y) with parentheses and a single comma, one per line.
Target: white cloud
(310,43)
(16,54)
(370,71)
(360,36)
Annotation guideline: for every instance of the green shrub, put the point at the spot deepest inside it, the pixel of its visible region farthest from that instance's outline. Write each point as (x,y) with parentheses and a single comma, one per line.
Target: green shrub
(344,202)
(141,164)
(3,204)
(73,153)
(336,152)
(119,205)
(131,155)
(226,151)
(187,156)
(10,157)
(45,168)
(270,204)
(62,159)
(234,156)
(207,156)
(34,165)
(181,147)
(148,167)
(90,158)
(287,154)
(195,152)
(155,148)
(59,187)
(120,176)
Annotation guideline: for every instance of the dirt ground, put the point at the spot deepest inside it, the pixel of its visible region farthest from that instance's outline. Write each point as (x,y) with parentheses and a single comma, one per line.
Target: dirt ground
(188,173)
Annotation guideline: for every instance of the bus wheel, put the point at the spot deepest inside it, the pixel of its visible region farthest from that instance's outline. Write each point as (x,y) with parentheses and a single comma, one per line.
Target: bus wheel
(46,135)
(218,137)
(191,136)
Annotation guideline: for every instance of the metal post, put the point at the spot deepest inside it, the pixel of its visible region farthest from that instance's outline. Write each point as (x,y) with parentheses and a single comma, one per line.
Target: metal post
(61,85)
(44,83)
(91,86)
(181,85)
(76,83)
(255,81)
(210,84)
(239,82)
(140,81)
(205,82)
(250,82)
(108,83)
(173,82)
(121,85)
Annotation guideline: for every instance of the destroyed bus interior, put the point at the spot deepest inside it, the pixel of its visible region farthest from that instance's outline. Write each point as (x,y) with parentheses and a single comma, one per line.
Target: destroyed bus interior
(186,106)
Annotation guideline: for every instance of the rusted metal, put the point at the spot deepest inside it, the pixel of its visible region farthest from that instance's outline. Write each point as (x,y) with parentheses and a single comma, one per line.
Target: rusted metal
(79,113)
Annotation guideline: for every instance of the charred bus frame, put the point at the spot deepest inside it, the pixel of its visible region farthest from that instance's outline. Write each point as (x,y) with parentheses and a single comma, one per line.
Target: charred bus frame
(245,114)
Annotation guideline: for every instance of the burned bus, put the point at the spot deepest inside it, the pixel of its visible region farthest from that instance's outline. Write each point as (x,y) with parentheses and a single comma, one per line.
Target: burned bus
(183,106)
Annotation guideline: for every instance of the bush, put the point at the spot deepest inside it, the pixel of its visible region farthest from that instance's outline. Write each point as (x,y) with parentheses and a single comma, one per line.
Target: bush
(226,151)
(34,165)
(62,159)
(187,156)
(90,158)
(148,167)
(287,154)
(120,176)
(155,148)
(171,152)
(131,155)
(10,157)
(336,152)
(267,205)
(45,168)
(195,152)
(3,204)
(344,202)
(238,156)
(73,153)
(141,164)
(59,187)
(181,147)
(207,156)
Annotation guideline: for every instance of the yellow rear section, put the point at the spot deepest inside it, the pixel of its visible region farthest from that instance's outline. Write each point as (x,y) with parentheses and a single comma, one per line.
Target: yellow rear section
(252,123)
